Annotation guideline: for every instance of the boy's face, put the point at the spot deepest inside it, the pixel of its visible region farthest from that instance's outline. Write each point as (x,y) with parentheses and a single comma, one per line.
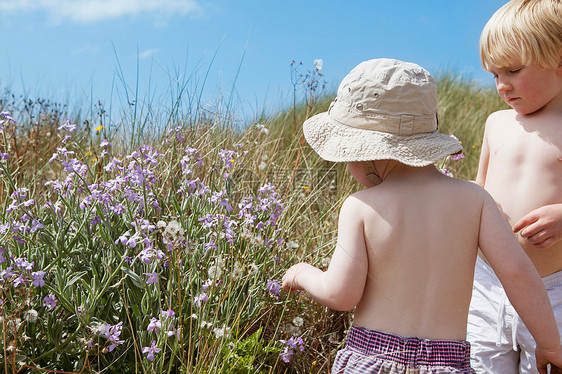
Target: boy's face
(530,88)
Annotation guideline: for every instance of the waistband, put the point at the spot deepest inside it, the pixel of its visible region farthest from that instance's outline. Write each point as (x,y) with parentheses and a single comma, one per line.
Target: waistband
(409,351)
(483,269)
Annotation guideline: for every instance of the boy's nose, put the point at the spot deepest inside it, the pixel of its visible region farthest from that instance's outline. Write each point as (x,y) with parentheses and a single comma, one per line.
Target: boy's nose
(502,85)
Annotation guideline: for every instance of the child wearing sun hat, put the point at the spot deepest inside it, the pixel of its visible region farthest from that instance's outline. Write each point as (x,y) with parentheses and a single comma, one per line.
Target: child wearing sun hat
(407,244)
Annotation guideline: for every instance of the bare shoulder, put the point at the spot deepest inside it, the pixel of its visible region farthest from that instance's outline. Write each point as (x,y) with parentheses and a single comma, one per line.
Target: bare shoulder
(357,201)
(501,117)
(353,210)
(468,190)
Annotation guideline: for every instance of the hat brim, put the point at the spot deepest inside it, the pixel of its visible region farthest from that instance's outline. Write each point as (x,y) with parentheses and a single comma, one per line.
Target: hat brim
(334,141)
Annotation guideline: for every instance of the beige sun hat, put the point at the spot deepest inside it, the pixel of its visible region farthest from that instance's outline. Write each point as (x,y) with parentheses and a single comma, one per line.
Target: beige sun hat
(384,109)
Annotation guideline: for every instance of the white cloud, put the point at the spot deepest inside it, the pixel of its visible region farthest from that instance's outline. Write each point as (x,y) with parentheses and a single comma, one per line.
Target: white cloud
(148,53)
(88,11)
(85,49)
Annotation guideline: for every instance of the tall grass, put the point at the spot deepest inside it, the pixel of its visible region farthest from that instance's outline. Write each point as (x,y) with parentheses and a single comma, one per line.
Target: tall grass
(165,256)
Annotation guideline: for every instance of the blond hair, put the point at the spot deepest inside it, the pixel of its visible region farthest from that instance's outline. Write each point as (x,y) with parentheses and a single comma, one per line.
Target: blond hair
(523,32)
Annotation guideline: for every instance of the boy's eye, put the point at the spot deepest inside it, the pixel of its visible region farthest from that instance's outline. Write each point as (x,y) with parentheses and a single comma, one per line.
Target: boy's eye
(516,70)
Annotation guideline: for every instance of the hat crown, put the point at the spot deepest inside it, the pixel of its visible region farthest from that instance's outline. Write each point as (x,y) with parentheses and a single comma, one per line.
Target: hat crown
(382,91)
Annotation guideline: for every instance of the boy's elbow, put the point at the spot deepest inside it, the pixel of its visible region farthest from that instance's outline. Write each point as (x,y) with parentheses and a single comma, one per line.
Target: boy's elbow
(343,301)
(340,305)
(344,307)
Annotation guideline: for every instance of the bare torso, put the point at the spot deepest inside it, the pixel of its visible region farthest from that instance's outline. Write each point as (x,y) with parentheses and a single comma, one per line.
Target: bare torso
(422,244)
(524,172)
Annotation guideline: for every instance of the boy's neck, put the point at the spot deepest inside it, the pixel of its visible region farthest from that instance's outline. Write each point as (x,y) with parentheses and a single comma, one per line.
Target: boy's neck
(396,170)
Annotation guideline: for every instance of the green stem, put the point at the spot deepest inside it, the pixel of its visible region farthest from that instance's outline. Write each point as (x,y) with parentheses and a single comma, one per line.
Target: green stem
(60,346)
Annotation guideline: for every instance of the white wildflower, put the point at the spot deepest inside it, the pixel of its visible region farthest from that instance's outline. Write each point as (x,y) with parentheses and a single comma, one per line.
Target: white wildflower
(214,272)
(97,328)
(318,63)
(238,271)
(291,245)
(256,240)
(220,261)
(253,269)
(298,321)
(262,128)
(222,332)
(262,166)
(31,316)
(190,247)
(334,339)
(173,228)
(293,330)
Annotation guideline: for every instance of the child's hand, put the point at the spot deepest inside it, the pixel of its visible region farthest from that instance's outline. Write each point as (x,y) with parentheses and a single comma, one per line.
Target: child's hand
(542,227)
(552,357)
(290,281)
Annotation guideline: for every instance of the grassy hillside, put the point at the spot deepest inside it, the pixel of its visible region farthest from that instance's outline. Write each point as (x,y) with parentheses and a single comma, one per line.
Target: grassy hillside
(145,248)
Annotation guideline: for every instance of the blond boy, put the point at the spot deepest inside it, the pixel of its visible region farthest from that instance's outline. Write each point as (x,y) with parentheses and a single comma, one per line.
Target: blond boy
(406,248)
(521,167)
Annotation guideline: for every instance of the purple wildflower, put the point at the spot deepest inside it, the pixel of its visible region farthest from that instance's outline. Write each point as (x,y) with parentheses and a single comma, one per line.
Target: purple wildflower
(154,325)
(273,287)
(7,273)
(457,157)
(123,238)
(50,301)
(36,225)
(292,343)
(19,280)
(23,263)
(105,144)
(68,126)
(286,355)
(152,278)
(38,278)
(150,351)
(112,334)
(201,298)
(168,313)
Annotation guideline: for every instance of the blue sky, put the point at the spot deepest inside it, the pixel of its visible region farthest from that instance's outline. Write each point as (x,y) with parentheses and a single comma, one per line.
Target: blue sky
(81,51)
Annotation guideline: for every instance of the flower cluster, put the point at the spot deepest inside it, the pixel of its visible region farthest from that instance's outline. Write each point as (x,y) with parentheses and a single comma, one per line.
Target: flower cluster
(106,239)
(112,333)
(20,272)
(291,345)
(166,324)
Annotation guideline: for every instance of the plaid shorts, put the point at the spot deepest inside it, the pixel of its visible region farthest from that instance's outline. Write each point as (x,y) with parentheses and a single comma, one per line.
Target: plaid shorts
(369,351)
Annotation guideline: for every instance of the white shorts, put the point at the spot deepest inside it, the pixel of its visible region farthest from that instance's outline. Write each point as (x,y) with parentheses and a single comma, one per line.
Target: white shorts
(500,342)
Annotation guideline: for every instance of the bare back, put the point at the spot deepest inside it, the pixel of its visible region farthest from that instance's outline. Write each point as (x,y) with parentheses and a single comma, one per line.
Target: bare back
(521,167)
(422,236)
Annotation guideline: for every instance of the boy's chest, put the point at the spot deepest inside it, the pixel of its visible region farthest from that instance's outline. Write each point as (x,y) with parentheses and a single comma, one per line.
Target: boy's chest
(522,147)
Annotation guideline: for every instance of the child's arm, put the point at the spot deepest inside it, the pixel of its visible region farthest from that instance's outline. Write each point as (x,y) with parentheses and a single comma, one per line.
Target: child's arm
(542,227)
(483,162)
(548,357)
(521,282)
(341,286)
